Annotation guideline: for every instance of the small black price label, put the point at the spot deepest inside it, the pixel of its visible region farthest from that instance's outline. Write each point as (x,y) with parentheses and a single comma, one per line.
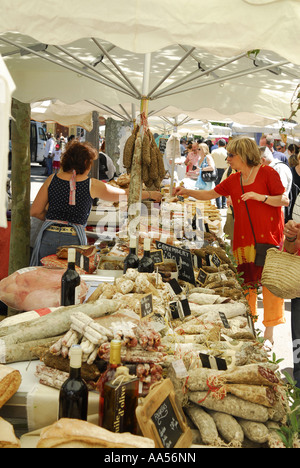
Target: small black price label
(146,306)
(224,320)
(157,256)
(202,275)
(174,310)
(216,260)
(180,309)
(211,362)
(175,286)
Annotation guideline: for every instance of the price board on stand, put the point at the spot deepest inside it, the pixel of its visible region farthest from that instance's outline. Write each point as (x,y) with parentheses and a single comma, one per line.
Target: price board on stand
(161,419)
(183,259)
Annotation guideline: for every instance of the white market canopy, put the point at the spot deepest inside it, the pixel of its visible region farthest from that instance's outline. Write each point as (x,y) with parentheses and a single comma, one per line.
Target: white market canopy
(187,57)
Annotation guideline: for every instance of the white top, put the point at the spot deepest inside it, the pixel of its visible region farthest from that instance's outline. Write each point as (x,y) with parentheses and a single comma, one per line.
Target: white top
(219,155)
(49,147)
(57,155)
(285,174)
(296,210)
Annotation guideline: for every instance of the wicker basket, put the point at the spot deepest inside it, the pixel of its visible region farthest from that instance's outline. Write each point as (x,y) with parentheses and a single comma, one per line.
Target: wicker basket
(281,274)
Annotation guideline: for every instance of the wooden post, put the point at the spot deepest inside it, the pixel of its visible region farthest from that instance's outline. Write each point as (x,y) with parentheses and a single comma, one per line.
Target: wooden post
(93,138)
(20,183)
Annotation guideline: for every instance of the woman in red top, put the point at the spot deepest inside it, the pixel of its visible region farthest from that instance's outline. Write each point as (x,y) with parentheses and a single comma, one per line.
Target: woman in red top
(264,194)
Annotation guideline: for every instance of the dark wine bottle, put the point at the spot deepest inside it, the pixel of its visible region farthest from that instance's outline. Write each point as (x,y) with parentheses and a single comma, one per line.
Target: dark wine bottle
(114,363)
(146,264)
(73,395)
(70,282)
(132,260)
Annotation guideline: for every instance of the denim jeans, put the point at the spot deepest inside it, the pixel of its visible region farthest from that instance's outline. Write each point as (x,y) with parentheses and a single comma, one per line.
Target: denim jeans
(52,240)
(295,325)
(49,166)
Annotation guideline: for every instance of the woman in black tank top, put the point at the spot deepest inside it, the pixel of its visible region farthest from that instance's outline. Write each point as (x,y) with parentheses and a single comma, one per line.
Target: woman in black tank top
(65,199)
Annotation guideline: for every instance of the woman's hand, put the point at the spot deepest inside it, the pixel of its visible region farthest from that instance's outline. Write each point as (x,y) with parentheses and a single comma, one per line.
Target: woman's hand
(155,196)
(180,192)
(292,236)
(193,174)
(272,200)
(291,229)
(252,196)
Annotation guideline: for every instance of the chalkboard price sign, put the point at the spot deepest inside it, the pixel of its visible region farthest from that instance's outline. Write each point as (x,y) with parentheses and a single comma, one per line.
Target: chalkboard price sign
(182,257)
(166,424)
(212,362)
(146,306)
(224,320)
(216,260)
(180,309)
(202,275)
(161,419)
(157,256)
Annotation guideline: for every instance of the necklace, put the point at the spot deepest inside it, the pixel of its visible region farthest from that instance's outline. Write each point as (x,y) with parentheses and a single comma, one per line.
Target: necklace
(246,180)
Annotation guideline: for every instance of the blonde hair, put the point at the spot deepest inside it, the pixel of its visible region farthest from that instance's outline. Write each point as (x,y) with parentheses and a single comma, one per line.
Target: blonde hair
(205,148)
(246,148)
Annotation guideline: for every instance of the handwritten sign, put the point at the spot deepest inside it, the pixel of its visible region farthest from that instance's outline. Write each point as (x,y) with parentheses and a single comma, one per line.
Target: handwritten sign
(216,260)
(179,309)
(224,320)
(146,306)
(183,259)
(161,419)
(202,275)
(166,424)
(157,256)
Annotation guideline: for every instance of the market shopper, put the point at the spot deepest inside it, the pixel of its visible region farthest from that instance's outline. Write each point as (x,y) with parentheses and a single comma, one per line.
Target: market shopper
(206,163)
(293,154)
(264,196)
(48,154)
(219,156)
(64,201)
(292,245)
(268,140)
(192,161)
(56,159)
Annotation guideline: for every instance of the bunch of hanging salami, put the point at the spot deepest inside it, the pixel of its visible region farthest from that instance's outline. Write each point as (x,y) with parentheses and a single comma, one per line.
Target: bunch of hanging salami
(153,169)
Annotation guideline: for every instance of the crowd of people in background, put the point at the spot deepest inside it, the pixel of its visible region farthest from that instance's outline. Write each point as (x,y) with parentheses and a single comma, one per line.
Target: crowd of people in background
(55,147)
(53,151)
(203,155)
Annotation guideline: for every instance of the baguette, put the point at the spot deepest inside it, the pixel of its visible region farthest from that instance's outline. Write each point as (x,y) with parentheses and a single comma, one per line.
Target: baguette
(8,438)
(10,381)
(73,433)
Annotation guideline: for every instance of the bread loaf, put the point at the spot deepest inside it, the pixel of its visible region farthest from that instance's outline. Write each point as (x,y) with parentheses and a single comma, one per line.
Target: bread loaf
(8,438)
(10,381)
(74,433)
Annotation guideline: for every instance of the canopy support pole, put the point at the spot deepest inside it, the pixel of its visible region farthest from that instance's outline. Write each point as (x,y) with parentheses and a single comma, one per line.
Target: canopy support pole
(197,74)
(67,65)
(133,87)
(135,186)
(19,255)
(248,71)
(171,71)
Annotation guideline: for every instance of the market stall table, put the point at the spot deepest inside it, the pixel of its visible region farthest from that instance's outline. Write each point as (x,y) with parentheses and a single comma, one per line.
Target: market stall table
(35,405)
